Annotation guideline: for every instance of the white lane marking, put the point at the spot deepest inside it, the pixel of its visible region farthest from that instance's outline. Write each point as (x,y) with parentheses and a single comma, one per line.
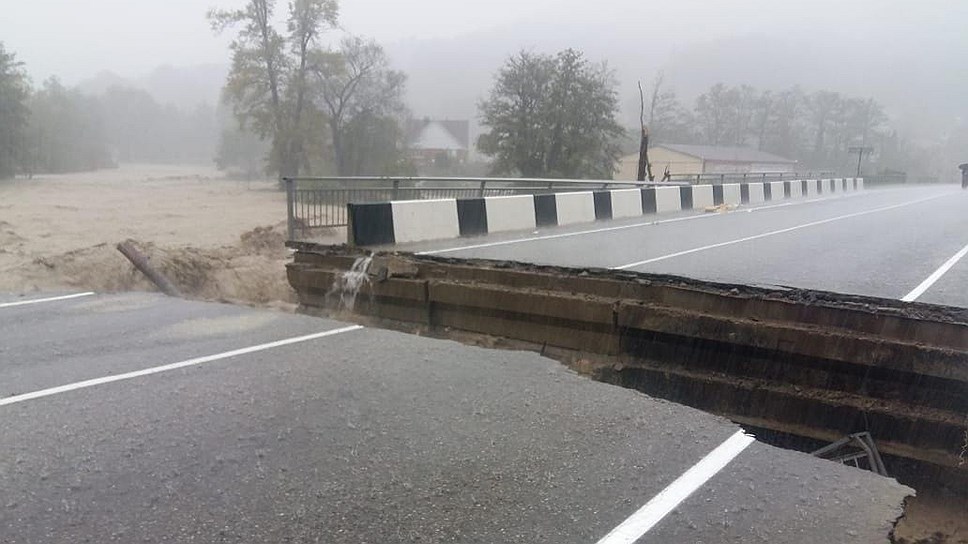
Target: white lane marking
(669,498)
(773,233)
(173,366)
(935,276)
(624,227)
(39,300)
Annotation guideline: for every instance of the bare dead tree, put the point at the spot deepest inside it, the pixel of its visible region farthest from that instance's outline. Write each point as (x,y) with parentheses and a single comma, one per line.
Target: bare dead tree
(645,168)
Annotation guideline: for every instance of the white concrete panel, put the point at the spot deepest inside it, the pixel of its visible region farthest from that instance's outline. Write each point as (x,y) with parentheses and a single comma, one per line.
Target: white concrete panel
(732,194)
(777,191)
(811,187)
(419,220)
(860,183)
(827,186)
(702,196)
(756,193)
(506,213)
(626,203)
(575,207)
(667,199)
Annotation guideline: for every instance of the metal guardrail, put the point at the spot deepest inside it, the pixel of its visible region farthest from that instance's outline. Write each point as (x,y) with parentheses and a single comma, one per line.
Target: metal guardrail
(718,179)
(318,203)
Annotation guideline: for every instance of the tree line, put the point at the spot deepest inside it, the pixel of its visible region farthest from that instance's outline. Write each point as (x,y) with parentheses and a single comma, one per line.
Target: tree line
(815,128)
(555,116)
(294,105)
(52,128)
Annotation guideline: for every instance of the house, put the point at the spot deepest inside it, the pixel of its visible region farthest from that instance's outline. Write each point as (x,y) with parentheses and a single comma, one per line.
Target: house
(441,143)
(686,159)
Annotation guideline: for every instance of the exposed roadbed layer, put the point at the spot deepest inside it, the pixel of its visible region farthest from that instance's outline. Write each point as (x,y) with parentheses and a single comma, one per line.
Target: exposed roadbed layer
(818,364)
(874,305)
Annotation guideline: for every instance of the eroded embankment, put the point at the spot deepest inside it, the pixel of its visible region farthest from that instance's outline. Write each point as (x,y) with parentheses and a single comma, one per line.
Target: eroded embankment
(806,363)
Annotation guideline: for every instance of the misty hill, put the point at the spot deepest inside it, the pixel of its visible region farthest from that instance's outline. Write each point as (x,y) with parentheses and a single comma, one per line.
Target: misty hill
(185,87)
(923,93)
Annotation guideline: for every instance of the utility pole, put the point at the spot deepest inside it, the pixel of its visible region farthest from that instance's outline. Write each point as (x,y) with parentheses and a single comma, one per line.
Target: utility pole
(860,150)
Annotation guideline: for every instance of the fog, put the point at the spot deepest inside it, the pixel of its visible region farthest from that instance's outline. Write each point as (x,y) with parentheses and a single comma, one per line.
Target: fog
(907,56)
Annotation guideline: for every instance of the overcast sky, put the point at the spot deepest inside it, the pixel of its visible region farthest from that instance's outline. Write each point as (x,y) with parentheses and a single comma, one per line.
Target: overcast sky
(74,38)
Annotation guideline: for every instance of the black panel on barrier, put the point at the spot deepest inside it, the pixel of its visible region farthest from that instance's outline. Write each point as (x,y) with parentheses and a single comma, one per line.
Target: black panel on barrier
(717,194)
(472,216)
(371,224)
(685,196)
(545,210)
(648,200)
(603,205)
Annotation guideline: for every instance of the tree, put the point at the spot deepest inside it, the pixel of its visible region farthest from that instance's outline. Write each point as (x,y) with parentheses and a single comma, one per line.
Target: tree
(268,82)
(668,121)
(726,114)
(14,114)
(552,116)
(66,131)
(362,99)
(714,115)
(825,108)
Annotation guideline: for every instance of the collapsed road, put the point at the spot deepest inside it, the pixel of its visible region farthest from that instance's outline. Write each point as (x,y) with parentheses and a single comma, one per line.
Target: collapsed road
(800,363)
(142,418)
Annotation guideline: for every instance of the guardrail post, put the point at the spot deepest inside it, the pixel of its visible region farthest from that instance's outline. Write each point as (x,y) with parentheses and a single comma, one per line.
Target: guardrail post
(396,190)
(290,208)
(483,188)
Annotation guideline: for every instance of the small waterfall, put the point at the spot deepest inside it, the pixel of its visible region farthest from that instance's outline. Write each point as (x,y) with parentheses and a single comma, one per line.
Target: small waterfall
(347,285)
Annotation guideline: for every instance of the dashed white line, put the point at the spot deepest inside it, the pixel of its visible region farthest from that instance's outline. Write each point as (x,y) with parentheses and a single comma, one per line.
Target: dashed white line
(773,233)
(40,300)
(668,499)
(935,276)
(621,227)
(173,366)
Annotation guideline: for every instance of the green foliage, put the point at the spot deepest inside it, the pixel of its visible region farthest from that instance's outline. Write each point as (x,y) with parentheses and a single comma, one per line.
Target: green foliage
(240,152)
(362,99)
(14,114)
(268,82)
(552,116)
(66,132)
(815,128)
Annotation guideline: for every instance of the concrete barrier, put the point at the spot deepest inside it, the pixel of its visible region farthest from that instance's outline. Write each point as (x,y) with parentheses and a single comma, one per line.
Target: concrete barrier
(813,187)
(507,213)
(755,191)
(732,194)
(625,203)
(668,199)
(777,190)
(702,197)
(574,208)
(384,223)
(416,220)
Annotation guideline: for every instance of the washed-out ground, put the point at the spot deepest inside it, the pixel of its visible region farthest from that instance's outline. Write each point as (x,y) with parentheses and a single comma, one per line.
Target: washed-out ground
(216,239)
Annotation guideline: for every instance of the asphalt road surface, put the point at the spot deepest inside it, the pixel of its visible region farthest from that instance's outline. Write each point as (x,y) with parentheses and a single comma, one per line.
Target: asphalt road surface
(140,418)
(884,242)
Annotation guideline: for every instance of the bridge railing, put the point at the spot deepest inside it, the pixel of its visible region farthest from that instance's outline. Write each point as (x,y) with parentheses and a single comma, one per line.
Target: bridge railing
(315,204)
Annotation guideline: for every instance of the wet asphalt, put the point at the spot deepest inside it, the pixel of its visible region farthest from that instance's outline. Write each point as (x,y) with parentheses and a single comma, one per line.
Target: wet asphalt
(364,436)
(878,242)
